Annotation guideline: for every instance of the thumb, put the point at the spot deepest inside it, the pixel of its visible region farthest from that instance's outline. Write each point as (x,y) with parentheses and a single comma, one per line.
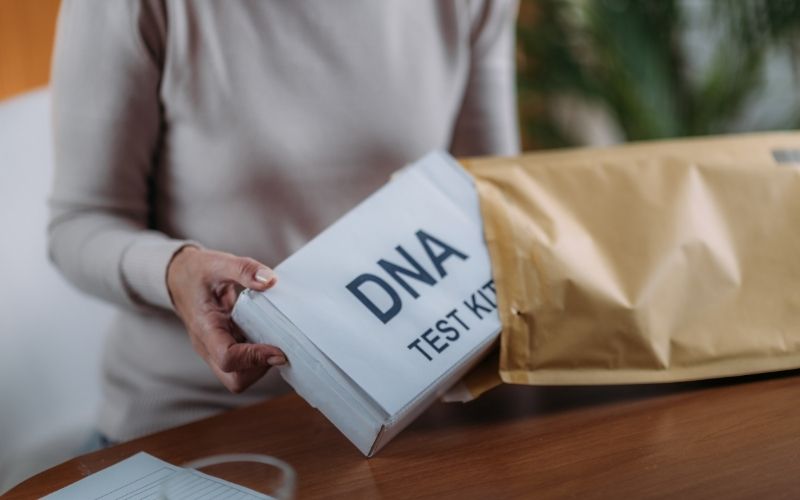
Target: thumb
(249,273)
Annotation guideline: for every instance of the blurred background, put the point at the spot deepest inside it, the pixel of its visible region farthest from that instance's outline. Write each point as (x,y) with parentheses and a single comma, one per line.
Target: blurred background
(605,71)
(27,28)
(51,336)
(590,72)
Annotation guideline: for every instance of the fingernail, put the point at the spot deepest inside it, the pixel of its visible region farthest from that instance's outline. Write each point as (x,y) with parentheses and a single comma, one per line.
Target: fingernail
(276,360)
(265,275)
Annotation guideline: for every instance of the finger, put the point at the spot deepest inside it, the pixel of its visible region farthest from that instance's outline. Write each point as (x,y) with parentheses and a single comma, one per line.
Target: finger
(231,356)
(240,357)
(227,295)
(248,272)
(237,365)
(237,382)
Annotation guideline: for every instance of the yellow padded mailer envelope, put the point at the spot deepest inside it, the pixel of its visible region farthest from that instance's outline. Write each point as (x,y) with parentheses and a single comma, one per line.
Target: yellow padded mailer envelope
(654,262)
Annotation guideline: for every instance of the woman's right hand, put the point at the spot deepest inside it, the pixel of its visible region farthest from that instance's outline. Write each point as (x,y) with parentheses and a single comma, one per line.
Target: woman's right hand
(204,285)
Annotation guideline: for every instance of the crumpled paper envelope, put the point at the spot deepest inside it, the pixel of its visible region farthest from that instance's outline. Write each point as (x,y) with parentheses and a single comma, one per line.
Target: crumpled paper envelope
(653,262)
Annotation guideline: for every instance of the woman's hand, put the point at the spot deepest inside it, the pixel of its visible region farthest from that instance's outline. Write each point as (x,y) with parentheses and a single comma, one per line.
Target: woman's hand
(204,285)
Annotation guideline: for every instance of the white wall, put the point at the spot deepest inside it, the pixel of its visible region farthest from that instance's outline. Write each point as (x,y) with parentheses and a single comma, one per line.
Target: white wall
(50,334)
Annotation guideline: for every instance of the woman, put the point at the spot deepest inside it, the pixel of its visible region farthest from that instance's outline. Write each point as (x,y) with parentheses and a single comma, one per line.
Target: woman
(198,142)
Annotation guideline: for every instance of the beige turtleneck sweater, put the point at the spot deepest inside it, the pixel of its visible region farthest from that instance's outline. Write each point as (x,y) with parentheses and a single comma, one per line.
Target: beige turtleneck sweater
(246,126)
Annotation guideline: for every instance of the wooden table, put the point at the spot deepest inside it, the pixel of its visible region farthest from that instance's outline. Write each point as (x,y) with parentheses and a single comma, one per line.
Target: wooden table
(734,438)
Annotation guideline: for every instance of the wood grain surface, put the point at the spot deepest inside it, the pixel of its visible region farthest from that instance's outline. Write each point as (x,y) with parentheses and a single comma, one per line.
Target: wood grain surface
(733,438)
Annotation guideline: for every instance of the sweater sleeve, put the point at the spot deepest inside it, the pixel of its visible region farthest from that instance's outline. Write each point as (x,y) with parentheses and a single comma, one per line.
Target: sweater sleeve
(487,121)
(107,124)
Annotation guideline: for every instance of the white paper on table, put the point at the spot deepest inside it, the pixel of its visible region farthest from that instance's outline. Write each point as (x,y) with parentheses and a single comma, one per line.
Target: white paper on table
(142,476)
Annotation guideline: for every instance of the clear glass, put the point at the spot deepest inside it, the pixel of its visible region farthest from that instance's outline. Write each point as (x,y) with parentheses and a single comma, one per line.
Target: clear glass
(267,476)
